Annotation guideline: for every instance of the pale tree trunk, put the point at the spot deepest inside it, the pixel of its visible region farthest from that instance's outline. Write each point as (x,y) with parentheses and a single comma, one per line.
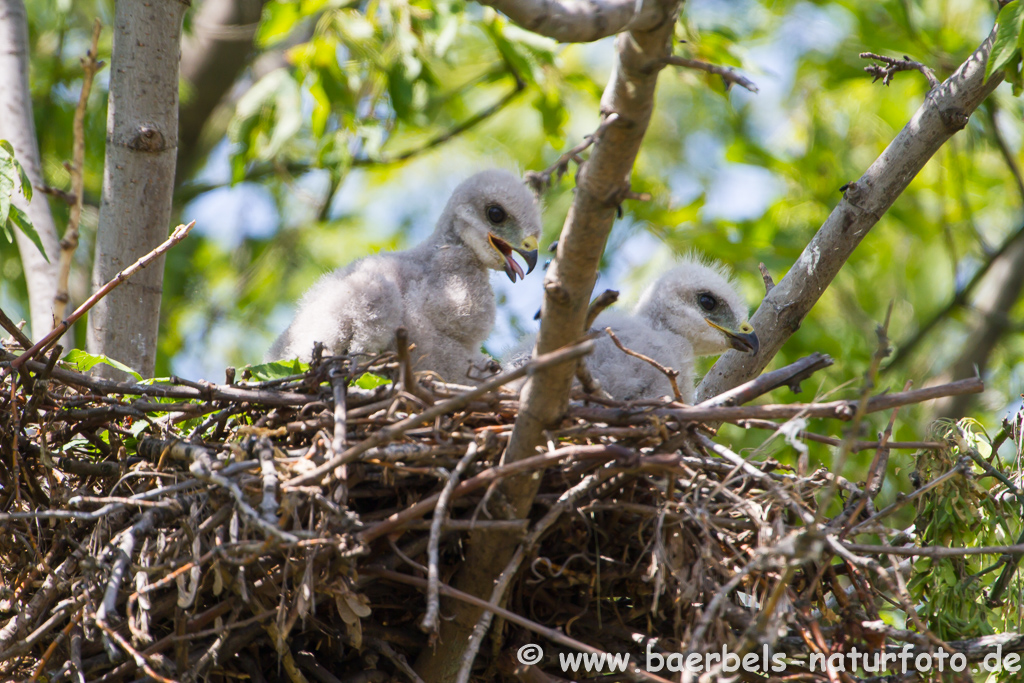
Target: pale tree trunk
(218,49)
(17,126)
(138,178)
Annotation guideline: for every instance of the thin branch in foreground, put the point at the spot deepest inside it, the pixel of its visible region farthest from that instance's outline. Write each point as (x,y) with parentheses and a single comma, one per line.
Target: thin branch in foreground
(68,244)
(671,373)
(541,182)
(178,235)
(15,331)
(550,633)
(894,65)
(394,431)
(730,76)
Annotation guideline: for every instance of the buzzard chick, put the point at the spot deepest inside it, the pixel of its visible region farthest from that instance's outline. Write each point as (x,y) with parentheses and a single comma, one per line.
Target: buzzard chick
(692,310)
(439,291)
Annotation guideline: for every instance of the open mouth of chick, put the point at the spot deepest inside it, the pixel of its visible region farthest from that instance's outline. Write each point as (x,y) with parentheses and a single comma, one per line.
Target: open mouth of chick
(512,267)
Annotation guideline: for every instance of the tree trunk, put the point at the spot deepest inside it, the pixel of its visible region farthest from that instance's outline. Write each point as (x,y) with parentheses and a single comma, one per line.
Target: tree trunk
(138,178)
(17,127)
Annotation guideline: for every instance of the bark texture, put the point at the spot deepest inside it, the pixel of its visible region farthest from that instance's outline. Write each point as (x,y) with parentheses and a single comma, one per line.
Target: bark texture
(138,179)
(945,111)
(601,186)
(581,21)
(18,127)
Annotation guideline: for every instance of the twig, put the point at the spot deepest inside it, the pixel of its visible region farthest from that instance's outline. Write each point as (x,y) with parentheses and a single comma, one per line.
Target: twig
(728,75)
(671,373)
(393,431)
(550,633)
(565,502)
(597,306)
(894,65)
(452,132)
(406,378)
(882,350)
(833,441)
(769,283)
(429,622)
(68,244)
(536,462)
(962,465)
(790,376)
(841,410)
(541,182)
(268,503)
(15,331)
(179,234)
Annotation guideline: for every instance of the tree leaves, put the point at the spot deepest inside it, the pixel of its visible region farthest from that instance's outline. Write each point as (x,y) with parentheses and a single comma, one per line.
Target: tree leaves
(1006,50)
(11,173)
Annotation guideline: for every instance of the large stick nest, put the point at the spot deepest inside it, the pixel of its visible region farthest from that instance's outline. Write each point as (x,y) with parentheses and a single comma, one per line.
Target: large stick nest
(207,532)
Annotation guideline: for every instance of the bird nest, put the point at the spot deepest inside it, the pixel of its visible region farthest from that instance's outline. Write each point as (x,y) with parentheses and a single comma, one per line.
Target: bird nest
(285,528)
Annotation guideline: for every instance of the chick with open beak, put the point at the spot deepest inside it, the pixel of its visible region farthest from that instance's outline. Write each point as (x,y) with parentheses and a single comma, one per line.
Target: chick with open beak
(528,251)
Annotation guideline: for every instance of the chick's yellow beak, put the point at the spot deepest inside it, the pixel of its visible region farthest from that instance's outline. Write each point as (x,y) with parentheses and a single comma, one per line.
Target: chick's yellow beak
(743,339)
(528,252)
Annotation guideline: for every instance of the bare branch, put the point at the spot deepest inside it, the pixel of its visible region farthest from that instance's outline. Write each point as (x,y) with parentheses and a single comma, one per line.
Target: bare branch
(541,182)
(581,21)
(68,243)
(671,373)
(893,65)
(730,76)
(179,234)
(769,283)
(945,111)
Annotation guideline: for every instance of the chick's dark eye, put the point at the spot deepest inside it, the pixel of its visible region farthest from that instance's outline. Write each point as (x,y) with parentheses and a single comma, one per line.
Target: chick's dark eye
(707,302)
(496,214)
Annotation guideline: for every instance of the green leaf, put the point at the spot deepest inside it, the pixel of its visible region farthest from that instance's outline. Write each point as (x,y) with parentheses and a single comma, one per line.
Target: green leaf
(21,219)
(370,381)
(1006,47)
(87,361)
(279,369)
(26,184)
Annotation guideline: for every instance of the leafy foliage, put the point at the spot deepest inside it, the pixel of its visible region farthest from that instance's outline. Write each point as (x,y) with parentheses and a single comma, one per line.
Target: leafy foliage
(12,174)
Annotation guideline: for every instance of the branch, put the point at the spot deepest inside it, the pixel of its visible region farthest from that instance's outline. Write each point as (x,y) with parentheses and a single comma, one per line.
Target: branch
(945,111)
(541,182)
(68,244)
(730,76)
(394,431)
(602,184)
(178,235)
(894,65)
(582,21)
(671,373)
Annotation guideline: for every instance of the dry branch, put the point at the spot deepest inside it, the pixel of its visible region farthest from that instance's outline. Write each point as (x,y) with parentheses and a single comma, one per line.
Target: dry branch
(225,524)
(69,242)
(944,112)
(176,236)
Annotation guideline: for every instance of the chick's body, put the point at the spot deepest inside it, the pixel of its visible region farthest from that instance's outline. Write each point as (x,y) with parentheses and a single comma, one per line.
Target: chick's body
(629,378)
(439,290)
(691,310)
